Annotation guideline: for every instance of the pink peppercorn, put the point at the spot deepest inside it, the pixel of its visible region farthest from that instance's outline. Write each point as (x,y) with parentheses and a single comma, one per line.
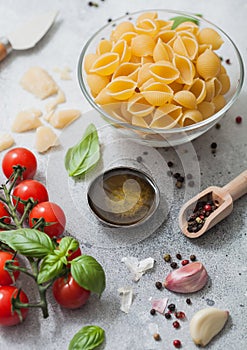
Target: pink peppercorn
(238,119)
(177,343)
(185,262)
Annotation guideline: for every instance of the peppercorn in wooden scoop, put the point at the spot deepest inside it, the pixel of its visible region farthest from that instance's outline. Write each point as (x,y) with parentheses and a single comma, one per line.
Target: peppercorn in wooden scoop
(211,206)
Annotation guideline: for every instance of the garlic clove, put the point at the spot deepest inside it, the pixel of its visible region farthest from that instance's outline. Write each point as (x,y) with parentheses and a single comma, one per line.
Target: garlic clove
(206,323)
(187,279)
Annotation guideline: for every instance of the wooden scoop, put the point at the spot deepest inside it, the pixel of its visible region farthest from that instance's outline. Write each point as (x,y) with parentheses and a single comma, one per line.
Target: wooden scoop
(223,197)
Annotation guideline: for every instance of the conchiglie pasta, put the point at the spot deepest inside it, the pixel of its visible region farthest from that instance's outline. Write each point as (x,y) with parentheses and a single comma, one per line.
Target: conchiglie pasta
(157,94)
(123,50)
(167,36)
(213,89)
(103,47)
(103,98)
(219,102)
(166,117)
(138,106)
(208,64)
(190,117)
(162,52)
(207,109)
(105,64)
(186,69)
(164,72)
(128,36)
(225,83)
(142,45)
(89,60)
(147,26)
(209,36)
(96,83)
(188,26)
(120,29)
(198,88)
(121,88)
(186,99)
(144,74)
(147,15)
(128,69)
(185,46)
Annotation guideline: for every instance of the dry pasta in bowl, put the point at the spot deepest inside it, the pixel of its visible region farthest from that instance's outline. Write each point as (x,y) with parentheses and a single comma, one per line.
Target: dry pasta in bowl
(160,76)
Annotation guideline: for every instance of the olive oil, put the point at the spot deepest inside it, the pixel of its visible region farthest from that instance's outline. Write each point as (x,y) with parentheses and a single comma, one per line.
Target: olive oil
(123,196)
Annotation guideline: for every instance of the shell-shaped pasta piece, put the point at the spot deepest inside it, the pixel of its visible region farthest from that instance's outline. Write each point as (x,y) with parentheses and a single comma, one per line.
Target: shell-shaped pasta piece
(147,15)
(222,70)
(137,121)
(190,116)
(128,36)
(123,50)
(167,36)
(89,61)
(188,26)
(142,45)
(138,106)
(225,83)
(164,72)
(203,47)
(219,102)
(105,64)
(128,69)
(96,83)
(166,117)
(162,52)
(211,37)
(103,47)
(164,25)
(213,89)
(208,64)
(121,88)
(185,46)
(186,99)
(157,94)
(120,29)
(103,98)
(186,69)
(186,33)
(147,26)
(144,74)
(198,88)
(207,109)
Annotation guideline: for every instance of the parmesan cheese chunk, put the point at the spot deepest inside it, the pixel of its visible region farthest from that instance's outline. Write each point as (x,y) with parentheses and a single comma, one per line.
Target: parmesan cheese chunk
(45,139)
(6,141)
(64,72)
(27,120)
(37,81)
(63,118)
(56,101)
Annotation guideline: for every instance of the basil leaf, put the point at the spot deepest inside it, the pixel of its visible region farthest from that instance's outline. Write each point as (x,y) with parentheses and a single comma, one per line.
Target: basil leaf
(180,19)
(85,154)
(28,242)
(88,338)
(88,273)
(50,267)
(66,246)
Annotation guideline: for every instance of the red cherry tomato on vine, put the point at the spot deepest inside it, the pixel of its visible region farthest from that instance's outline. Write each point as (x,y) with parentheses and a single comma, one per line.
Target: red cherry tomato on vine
(3,213)
(29,189)
(51,213)
(19,156)
(7,316)
(68,293)
(5,277)
(73,255)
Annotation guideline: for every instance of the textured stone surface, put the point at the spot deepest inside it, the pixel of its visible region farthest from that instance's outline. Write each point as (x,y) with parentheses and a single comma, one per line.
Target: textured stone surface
(222,250)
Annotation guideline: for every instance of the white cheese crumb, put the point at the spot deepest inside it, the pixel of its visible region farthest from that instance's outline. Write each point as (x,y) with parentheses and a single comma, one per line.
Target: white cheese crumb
(60,98)
(6,141)
(45,139)
(136,267)
(126,295)
(27,120)
(63,118)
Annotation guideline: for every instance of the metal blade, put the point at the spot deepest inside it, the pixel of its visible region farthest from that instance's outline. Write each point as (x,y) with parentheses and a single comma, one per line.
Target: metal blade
(30,33)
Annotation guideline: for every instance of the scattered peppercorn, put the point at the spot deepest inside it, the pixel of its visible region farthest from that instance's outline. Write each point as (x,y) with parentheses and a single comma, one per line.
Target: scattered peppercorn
(168,315)
(152,312)
(93,4)
(218,126)
(109,20)
(167,257)
(176,175)
(193,257)
(170,164)
(177,343)
(179,184)
(174,265)
(158,285)
(137,89)
(228,61)
(171,307)
(180,314)
(139,159)
(185,262)
(156,336)
(179,256)
(176,324)
(213,145)
(238,119)
(188,301)
(180,178)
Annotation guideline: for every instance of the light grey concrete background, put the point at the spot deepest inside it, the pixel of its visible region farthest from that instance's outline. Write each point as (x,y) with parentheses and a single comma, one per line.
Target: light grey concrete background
(222,250)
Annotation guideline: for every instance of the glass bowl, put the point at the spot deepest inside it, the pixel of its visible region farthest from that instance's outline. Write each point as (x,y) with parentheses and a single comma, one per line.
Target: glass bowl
(160,137)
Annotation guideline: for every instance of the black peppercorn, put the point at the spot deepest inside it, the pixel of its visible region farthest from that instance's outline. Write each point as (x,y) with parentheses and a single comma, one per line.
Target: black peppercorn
(213,145)
(170,164)
(178,256)
(174,265)
(168,315)
(188,301)
(152,312)
(171,307)
(193,257)
(158,285)
(167,257)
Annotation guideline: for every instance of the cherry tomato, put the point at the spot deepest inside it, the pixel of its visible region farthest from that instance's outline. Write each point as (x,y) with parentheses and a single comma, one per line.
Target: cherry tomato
(20,156)
(3,213)
(5,277)
(68,293)
(29,189)
(73,255)
(51,213)
(7,316)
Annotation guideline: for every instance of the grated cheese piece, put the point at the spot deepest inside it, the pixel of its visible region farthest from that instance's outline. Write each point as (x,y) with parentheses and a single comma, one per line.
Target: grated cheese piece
(48,116)
(159,305)
(126,295)
(37,81)
(60,98)
(64,72)
(63,118)
(27,120)
(45,139)
(6,141)
(136,267)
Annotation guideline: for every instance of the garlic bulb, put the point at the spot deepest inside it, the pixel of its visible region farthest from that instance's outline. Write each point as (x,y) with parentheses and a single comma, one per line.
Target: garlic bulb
(187,279)
(206,323)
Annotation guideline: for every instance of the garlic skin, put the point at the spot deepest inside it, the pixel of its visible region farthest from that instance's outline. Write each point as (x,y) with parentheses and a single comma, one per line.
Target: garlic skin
(206,323)
(187,279)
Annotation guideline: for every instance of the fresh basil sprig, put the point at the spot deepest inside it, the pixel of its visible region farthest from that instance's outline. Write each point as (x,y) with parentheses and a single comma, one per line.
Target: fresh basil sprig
(88,338)
(28,242)
(88,273)
(180,19)
(85,154)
